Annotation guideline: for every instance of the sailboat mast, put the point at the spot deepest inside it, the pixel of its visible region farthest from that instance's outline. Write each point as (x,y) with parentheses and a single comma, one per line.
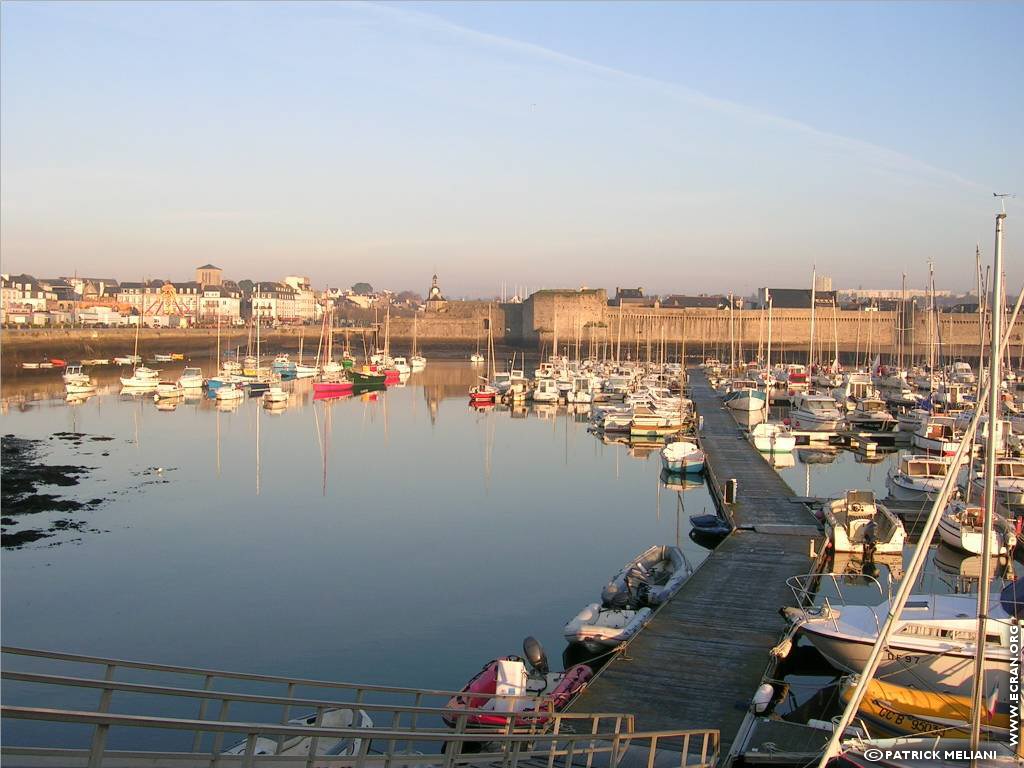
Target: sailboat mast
(810,344)
(991,446)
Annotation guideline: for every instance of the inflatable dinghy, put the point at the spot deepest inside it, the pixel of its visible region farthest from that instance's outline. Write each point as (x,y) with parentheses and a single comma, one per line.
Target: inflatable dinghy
(597,628)
(650,578)
(325,746)
(505,686)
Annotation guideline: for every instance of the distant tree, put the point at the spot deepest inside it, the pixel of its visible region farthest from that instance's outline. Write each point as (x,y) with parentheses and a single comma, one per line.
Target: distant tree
(362,288)
(246,286)
(410,296)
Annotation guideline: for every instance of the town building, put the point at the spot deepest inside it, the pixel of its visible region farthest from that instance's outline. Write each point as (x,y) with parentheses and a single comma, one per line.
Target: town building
(209,275)
(795,298)
(632,297)
(436,302)
(306,305)
(677,301)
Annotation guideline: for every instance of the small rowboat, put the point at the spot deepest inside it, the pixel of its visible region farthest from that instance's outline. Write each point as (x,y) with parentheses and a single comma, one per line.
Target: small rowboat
(682,457)
(366,377)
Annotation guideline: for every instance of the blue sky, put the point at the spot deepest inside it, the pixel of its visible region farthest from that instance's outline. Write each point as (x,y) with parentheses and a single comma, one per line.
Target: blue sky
(682,147)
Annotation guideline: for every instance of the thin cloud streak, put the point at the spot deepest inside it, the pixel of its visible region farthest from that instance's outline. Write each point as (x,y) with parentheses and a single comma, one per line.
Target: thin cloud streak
(878,155)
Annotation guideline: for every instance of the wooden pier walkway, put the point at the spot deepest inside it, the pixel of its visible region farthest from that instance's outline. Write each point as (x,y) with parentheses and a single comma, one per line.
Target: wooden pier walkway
(702,657)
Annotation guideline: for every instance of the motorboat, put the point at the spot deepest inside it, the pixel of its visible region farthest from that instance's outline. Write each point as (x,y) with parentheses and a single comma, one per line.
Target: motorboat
(682,457)
(900,710)
(814,413)
(326,746)
(482,393)
(163,358)
(917,477)
(476,358)
(961,373)
(96,361)
(417,362)
(582,390)
(168,390)
(871,415)
(276,395)
(772,438)
(301,371)
(911,420)
(938,434)
(858,523)
(933,641)
(546,391)
(856,385)
(401,365)
(80,387)
(648,422)
(191,378)
(73,374)
(1009,481)
(127,360)
(505,689)
(228,392)
(743,395)
(961,527)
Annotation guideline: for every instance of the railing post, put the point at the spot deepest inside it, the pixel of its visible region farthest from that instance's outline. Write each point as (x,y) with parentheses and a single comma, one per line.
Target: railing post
(454,748)
(99,737)
(652,750)
(218,740)
(594,728)
(364,748)
(250,750)
(312,742)
(287,710)
(417,702)
(198,740)
(395,720)
(99,742)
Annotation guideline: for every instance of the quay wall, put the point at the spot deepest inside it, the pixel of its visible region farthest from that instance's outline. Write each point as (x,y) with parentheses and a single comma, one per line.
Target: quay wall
(575,315)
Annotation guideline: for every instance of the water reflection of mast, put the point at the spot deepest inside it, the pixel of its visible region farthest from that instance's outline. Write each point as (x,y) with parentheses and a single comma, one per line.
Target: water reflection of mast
(218,441)
(258,442)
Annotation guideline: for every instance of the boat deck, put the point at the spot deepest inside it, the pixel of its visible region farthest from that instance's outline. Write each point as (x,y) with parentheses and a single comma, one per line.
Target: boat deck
(700,660)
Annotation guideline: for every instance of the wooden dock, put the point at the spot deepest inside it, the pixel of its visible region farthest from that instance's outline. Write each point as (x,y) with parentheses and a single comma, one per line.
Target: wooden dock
(702,657)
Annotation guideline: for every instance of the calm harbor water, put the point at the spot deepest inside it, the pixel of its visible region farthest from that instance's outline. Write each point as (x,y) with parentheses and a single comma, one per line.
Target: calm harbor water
(398,537)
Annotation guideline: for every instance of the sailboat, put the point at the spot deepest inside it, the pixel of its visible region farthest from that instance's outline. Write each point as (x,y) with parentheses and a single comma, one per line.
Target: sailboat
(142,378)
(476,358)
(332,381)
(417,362)
(485,393)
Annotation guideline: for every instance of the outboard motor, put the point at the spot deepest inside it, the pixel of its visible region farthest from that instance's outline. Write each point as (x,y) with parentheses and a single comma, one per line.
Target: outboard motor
(535,656)
(614,598)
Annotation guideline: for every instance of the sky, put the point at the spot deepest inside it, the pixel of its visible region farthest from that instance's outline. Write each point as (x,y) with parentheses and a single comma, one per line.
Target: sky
(682,147)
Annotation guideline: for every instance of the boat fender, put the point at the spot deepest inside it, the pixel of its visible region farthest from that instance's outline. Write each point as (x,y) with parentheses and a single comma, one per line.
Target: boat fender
(534,653)
(763,697)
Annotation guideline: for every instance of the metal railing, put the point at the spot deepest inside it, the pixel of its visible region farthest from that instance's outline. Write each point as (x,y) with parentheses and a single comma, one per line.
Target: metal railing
(807,588)
(402,734)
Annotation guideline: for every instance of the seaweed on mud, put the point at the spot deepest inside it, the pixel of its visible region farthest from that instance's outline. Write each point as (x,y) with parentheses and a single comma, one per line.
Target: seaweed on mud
(23,472)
